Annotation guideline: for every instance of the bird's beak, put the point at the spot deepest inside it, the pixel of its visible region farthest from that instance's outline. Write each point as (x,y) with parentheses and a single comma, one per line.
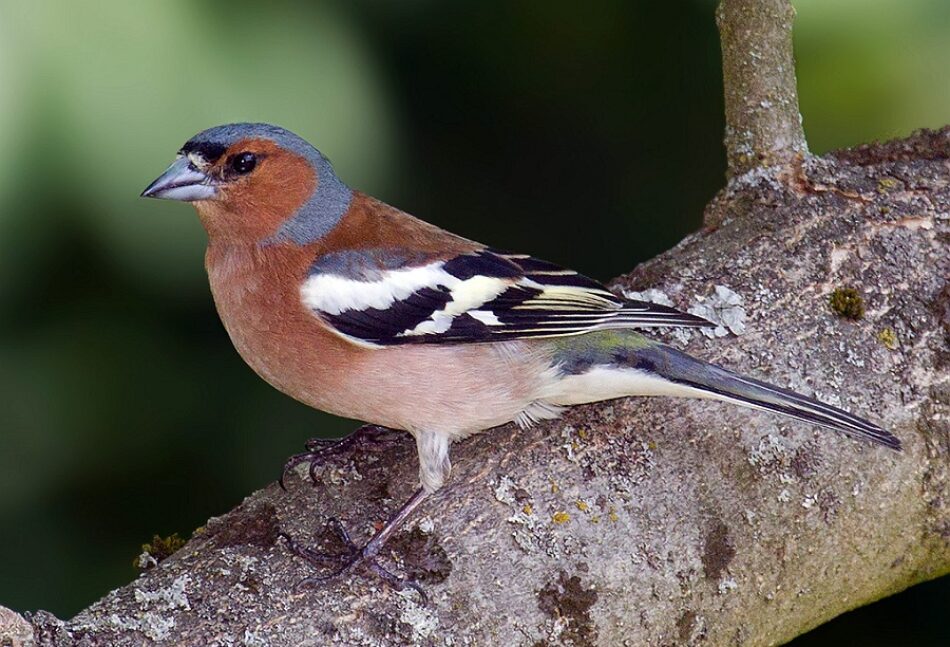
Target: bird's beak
(181,181)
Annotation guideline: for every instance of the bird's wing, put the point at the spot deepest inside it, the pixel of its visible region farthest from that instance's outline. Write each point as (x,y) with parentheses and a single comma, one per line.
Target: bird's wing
(384,297)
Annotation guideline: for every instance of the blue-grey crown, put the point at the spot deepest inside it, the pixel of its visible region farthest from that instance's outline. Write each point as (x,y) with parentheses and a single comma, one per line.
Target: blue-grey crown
(212,143)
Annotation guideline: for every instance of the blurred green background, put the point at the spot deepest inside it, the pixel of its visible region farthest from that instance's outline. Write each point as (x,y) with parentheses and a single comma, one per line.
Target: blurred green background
(538,126)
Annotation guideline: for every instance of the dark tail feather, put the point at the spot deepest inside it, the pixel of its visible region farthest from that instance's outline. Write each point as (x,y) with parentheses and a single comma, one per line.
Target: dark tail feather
(723,384)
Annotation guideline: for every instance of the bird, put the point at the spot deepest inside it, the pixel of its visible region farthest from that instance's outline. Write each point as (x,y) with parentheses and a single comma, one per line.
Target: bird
(359,309)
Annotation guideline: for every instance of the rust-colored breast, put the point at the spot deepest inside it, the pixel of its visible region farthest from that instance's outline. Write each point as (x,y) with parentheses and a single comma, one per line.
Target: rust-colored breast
(256,292)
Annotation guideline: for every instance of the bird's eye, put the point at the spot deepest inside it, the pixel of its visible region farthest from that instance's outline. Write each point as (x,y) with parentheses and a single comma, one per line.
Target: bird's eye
(243,163)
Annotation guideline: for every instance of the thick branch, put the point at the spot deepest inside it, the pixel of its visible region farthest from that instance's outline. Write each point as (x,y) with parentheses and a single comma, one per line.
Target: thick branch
(641,521)
(763,122)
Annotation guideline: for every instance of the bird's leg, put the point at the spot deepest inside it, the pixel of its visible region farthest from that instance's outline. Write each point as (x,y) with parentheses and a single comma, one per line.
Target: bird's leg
(318,449)
(361,555)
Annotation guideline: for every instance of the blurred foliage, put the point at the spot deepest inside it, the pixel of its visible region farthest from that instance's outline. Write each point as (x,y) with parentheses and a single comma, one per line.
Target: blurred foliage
(589,135)
(871,69)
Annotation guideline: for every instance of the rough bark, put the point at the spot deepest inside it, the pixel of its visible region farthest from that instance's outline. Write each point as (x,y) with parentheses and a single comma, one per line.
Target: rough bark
(642,521)
(763,122)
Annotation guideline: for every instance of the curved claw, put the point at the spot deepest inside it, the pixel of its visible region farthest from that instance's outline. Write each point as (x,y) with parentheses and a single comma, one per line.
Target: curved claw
(395,581)
(312,471)
(313,456)
(320,579)
(341,531)
(318,449)
(308,554)
(291,463)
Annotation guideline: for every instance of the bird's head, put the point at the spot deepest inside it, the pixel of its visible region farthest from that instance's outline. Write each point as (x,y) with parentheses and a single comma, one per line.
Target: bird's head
(255,182)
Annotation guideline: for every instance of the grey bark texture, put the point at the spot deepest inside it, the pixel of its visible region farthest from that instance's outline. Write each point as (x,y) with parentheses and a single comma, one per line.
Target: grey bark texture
(641,521)
(763,122)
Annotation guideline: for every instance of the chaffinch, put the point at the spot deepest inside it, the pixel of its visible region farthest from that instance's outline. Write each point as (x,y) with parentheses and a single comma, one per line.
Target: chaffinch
(359,309)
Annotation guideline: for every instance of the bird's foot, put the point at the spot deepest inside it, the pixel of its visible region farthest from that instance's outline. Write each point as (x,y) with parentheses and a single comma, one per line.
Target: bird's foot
(320,449)
(366,555)
(352,557)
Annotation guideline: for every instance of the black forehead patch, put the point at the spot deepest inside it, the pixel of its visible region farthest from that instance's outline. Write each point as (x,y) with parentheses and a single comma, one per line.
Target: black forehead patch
(209,150)
(212,143)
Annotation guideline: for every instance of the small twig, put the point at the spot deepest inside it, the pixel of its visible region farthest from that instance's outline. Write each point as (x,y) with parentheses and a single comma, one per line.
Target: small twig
(763,122)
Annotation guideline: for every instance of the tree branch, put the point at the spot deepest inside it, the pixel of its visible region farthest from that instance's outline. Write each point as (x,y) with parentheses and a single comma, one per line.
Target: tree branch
(645,521)
(763,122)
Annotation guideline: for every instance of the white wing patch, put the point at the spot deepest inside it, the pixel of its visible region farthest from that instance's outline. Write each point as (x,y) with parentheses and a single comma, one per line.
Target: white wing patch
(467,295)
(486,317)
(335,294)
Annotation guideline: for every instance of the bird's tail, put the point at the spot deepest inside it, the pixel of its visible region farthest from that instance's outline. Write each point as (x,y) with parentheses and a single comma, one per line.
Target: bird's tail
(626,363)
